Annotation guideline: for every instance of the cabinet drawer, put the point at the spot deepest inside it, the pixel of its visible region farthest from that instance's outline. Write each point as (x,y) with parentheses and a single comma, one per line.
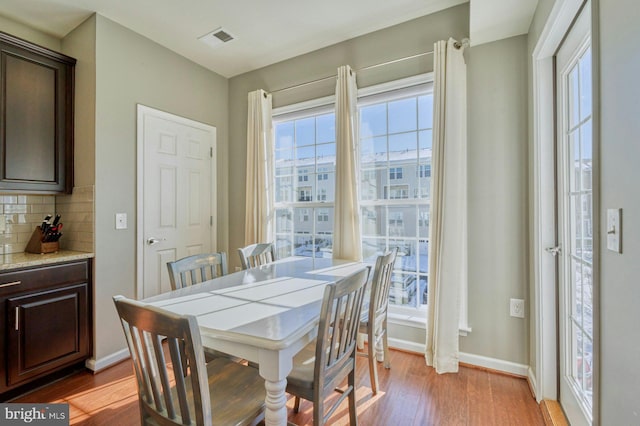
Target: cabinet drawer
(43,277)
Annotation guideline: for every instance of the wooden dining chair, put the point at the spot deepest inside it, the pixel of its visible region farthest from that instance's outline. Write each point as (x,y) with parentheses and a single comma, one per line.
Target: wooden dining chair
(373,322)
(197,268)
(255,255)
(188,391)
(323,364)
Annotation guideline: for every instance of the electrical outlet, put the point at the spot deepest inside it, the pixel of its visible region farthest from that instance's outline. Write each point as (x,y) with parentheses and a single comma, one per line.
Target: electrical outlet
(516,308)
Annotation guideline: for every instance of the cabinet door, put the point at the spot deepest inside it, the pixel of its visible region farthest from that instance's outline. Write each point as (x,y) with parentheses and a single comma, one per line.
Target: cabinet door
(36,122)
(47,330)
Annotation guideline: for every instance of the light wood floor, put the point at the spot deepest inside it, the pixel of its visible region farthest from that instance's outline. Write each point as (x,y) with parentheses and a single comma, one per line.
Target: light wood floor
(411,394)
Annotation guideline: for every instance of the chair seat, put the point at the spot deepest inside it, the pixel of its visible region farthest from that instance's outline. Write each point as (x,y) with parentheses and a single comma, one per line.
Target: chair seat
(247,401)
(301,375)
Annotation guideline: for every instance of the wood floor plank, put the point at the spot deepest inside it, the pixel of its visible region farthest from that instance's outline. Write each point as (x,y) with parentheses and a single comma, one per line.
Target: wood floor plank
(410,394)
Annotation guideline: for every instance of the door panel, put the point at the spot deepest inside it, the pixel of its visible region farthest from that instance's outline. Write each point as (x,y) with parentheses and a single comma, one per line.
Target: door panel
(49,329)
(575,224)
(178,187)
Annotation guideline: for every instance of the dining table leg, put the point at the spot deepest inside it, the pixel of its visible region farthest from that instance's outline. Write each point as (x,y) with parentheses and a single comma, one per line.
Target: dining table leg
(276,403)
(275,366)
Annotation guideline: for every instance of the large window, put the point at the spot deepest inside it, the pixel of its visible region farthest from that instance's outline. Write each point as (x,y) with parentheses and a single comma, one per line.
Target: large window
(395,147)
(305,148)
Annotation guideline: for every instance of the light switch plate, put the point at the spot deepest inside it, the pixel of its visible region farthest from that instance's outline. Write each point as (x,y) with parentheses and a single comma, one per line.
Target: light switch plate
(121,221)
(614,230)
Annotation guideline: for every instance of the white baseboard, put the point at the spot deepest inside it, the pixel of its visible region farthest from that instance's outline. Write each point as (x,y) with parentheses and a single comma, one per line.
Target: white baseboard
(533,384)
(495,364)
(476,360)
(96,365)
(406,345)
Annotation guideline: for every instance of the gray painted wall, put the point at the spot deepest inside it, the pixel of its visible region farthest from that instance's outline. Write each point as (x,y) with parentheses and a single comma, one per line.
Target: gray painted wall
(498,215)
(81,44)
(131,69)
(34,36)
(619,177)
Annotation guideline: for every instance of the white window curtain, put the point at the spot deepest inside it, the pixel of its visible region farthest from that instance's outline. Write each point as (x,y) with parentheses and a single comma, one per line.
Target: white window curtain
(448,227)
(346,234)
(259,195)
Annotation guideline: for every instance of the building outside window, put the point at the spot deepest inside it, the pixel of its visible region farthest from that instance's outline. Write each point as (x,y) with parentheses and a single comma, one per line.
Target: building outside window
(395,172)
(305,147)
(395,147)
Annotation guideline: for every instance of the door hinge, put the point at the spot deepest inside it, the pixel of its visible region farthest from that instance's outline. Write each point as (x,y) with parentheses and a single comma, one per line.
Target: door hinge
(211,152)
(210,220)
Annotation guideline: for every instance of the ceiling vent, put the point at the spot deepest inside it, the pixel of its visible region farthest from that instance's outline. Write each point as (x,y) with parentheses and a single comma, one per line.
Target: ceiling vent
(217,37)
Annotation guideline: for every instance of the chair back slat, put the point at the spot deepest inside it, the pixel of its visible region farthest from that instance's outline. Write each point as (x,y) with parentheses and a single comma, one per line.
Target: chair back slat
(338,327)
(168,395)
(381,286)
(255,255)
(196,269)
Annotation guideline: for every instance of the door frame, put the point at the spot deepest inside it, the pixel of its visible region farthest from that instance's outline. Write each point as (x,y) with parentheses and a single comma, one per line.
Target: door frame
(545,379)
(144,111)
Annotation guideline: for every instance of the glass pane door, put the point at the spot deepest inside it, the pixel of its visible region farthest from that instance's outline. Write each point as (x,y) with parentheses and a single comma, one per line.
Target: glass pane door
(575,190)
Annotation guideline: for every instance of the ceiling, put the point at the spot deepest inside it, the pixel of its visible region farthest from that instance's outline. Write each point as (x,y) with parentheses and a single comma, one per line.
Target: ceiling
(265,32)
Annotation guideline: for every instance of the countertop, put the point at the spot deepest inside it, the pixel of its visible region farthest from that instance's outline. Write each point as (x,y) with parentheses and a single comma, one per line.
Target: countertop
(25,260)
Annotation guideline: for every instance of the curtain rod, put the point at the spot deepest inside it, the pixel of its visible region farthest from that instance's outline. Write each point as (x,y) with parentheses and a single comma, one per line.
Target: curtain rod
(457,45)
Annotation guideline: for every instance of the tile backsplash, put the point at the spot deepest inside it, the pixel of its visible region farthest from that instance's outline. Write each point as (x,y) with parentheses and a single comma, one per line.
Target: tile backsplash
(22,213)
(77,215)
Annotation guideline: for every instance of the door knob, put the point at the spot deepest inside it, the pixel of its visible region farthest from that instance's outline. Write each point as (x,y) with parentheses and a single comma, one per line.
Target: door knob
(553,251)
(151,241)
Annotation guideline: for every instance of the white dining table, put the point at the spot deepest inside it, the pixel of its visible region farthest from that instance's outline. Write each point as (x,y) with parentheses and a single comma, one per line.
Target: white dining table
(265,315)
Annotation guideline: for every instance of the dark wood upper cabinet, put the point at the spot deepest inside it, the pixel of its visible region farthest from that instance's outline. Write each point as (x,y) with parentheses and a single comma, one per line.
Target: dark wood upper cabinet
(36,118)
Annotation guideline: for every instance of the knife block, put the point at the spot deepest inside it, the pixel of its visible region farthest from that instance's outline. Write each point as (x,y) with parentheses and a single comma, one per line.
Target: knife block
(35,244)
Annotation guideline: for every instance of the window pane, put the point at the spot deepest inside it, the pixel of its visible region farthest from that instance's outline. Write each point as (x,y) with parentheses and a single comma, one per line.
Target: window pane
(326,153)
(373,221)
(326,128)
(425,138)
(402,146)
(403,116)
(373,150)
(425,112)
(574,98)
(373,120)
(404,290)
(305,132)
(423,222)
(585,85)
(284,245)
(586,153)
(284,136)
(305,153)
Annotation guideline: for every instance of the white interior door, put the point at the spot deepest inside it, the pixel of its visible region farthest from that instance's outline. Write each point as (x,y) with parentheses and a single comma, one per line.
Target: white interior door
(176,199)
(575,224)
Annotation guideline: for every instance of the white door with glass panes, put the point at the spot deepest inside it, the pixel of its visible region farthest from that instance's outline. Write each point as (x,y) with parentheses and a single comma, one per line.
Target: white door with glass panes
(575,224)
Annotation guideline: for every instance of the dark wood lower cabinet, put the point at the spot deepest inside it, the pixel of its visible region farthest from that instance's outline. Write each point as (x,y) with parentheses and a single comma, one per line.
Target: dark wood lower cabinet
(48,321)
